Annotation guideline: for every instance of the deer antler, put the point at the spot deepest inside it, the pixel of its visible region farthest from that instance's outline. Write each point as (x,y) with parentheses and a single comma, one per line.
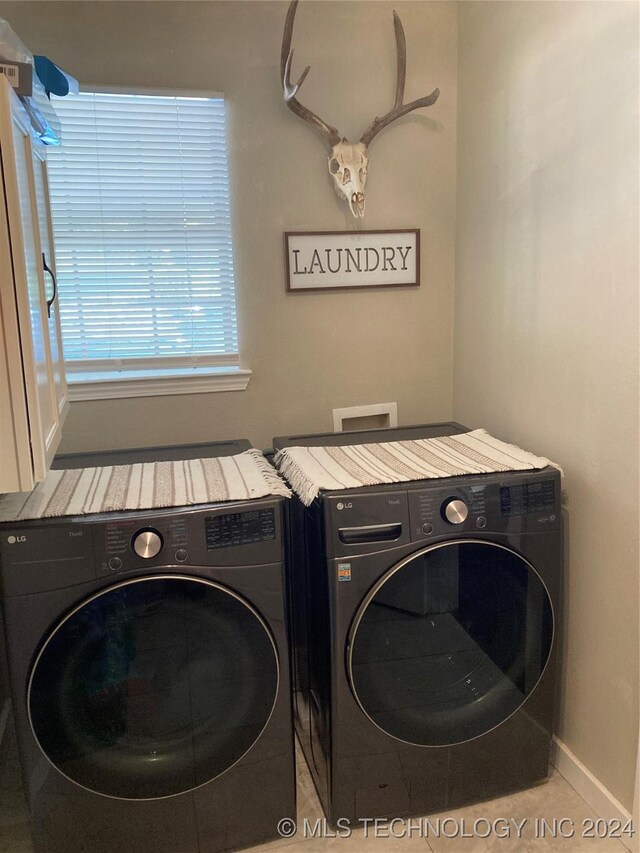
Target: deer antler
(399,109)
(286,56)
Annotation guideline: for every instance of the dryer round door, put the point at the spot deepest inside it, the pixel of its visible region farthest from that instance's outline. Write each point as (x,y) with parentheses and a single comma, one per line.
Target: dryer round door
(153,687)
(450,642)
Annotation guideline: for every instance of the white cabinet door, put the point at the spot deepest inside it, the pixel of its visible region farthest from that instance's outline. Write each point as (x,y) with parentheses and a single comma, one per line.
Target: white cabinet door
(16,467)
(49,265)
(34,352)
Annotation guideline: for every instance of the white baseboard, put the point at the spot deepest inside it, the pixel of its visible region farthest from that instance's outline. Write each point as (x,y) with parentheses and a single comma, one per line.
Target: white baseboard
(591,789)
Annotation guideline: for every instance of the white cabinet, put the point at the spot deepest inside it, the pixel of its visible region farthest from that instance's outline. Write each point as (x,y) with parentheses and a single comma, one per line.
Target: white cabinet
(33,399)
(43,206)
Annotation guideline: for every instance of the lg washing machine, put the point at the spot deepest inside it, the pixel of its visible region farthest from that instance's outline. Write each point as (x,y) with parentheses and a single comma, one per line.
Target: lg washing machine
(424,621)
(150,676)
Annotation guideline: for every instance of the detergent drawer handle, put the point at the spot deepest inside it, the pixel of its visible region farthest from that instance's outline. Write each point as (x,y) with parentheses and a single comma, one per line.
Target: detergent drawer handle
(370,533)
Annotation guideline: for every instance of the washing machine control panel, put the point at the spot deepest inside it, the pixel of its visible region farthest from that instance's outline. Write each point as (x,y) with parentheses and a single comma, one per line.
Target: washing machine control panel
(524,502)
(525,499)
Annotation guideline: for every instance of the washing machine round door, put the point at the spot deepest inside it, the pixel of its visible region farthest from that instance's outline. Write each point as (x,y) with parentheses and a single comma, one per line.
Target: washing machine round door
(450,642)
(153,687)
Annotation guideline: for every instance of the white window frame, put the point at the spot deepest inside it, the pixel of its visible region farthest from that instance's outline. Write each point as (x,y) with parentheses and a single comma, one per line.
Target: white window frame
(105,379)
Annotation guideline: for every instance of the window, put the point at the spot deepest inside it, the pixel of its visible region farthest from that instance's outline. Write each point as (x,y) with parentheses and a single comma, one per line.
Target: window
(140,207)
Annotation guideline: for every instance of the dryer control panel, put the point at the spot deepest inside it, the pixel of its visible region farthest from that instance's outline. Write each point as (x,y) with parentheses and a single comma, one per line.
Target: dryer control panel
(228,530)
(36,556)
(231,535)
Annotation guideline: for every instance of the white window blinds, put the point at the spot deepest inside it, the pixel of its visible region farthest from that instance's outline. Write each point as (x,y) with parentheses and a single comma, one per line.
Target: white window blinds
(140,206)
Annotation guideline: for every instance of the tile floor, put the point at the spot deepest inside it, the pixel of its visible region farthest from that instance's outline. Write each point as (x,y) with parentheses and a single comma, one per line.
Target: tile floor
(555,799)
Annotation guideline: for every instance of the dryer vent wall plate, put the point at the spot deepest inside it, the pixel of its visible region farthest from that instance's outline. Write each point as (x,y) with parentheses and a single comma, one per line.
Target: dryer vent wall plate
(373,416)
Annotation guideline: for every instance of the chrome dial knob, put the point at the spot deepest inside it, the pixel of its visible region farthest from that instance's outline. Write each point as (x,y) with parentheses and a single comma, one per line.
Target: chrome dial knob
(147,544)
(455,511)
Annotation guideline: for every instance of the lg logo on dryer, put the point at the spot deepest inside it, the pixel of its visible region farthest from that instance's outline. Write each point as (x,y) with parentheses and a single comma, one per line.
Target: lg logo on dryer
(341,505)
(13,539)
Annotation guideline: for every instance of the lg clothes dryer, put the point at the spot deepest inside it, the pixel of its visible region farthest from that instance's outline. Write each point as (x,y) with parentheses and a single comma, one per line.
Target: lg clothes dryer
(424,619)
(150,677)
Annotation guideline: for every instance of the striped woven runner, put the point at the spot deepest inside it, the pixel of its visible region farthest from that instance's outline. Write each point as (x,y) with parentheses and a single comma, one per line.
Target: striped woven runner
(310,469)
(146,485)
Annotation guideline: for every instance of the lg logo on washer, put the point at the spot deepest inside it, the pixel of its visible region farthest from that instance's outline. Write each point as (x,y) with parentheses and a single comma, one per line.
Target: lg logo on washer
(341,505)
(13,539)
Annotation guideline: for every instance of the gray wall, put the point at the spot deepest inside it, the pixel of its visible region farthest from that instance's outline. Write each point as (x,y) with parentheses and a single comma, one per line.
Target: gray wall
(309,353)
(546,306)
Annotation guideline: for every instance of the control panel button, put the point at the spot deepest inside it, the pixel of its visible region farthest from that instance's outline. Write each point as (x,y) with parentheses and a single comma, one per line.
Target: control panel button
(181,555)
(455,511)
(147,543)
(481,521)
(427,528)
(115,564)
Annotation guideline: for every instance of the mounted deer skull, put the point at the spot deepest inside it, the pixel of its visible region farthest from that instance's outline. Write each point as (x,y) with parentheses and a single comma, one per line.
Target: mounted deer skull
(348,162)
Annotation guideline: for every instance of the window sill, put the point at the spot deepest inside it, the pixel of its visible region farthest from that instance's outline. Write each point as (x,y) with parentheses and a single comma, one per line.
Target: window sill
(111,385)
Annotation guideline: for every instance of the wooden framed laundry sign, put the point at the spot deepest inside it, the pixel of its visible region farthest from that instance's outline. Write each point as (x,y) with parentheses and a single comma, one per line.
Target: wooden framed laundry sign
(335,260)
